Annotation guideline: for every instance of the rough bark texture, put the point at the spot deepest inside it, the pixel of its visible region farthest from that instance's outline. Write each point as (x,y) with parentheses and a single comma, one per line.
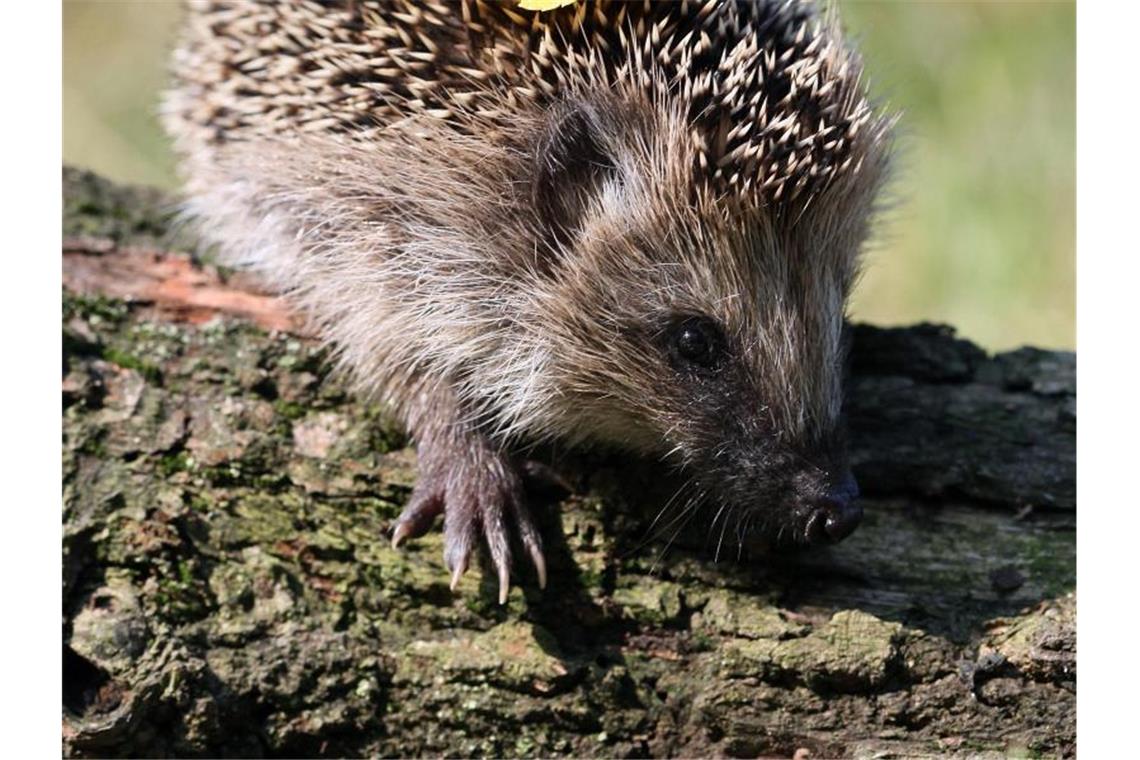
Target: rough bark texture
(228,588)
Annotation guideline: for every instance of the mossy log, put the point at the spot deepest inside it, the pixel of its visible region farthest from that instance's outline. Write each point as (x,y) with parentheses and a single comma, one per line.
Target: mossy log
(229,590)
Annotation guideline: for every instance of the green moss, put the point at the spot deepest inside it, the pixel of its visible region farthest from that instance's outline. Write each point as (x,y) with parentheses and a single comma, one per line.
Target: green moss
(290,410)
(95,207)
(746,616)
(515,655)
(851,652)
(94,444)
(181,597)
(701,642)
(171,463)
(97,309)
(649,600)
(244,474)
(200,503)
(1051,561)
(152,373)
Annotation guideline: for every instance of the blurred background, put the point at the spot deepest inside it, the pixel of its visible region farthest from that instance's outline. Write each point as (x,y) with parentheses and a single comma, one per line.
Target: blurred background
(981,227)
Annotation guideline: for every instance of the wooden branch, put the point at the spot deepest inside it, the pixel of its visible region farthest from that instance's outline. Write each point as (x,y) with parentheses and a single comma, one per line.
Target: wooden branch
(229,588)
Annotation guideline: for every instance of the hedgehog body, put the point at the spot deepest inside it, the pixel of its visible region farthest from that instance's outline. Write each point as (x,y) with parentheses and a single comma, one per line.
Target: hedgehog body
(630,224)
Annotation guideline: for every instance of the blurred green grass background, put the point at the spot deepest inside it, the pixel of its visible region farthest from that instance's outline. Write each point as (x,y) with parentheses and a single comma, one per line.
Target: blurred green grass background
(981,228)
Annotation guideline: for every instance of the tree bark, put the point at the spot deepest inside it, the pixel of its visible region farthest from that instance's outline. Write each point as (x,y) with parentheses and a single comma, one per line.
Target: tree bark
(228,586)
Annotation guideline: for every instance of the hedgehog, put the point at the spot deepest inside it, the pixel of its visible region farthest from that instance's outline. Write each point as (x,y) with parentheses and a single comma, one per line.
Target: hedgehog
(630,226)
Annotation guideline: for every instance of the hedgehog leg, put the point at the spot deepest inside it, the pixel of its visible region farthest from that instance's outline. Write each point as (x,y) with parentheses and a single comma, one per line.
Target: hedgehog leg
(477,487)
(485,496)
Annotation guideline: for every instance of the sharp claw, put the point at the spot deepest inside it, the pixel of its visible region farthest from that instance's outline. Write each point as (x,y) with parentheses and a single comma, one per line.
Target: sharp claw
(400,532)
(504,583)
(539,564)
(457,573)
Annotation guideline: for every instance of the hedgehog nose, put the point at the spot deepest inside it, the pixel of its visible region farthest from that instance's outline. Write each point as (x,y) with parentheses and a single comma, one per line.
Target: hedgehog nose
(837,513)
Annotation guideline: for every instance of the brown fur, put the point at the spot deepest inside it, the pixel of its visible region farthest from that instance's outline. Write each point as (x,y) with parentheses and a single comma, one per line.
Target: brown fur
(502,221)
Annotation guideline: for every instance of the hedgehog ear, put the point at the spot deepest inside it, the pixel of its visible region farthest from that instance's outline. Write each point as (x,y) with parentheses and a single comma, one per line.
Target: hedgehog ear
(571,165)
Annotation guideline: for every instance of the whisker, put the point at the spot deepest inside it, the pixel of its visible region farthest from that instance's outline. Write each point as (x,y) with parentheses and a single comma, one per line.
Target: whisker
(689,511)
(716,557)
(652,536)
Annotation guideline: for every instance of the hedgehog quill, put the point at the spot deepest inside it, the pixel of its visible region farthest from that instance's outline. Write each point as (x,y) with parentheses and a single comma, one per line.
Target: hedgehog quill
(631,225)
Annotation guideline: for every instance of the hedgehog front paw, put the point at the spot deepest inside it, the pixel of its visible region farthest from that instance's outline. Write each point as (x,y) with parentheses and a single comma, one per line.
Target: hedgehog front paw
(480,495)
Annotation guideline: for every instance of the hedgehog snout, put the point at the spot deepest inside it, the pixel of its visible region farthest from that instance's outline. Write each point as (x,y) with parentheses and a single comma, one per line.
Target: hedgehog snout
(834,514)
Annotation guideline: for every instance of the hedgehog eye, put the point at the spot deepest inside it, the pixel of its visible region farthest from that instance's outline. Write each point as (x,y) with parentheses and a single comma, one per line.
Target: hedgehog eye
(697,340)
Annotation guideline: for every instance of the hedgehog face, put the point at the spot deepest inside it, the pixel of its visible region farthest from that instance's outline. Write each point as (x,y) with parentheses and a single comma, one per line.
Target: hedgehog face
(685,325)
(738,379)
(767,448)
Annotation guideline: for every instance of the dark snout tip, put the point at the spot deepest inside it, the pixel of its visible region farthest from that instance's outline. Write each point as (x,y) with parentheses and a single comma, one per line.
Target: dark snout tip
(837,514)
(843,517)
